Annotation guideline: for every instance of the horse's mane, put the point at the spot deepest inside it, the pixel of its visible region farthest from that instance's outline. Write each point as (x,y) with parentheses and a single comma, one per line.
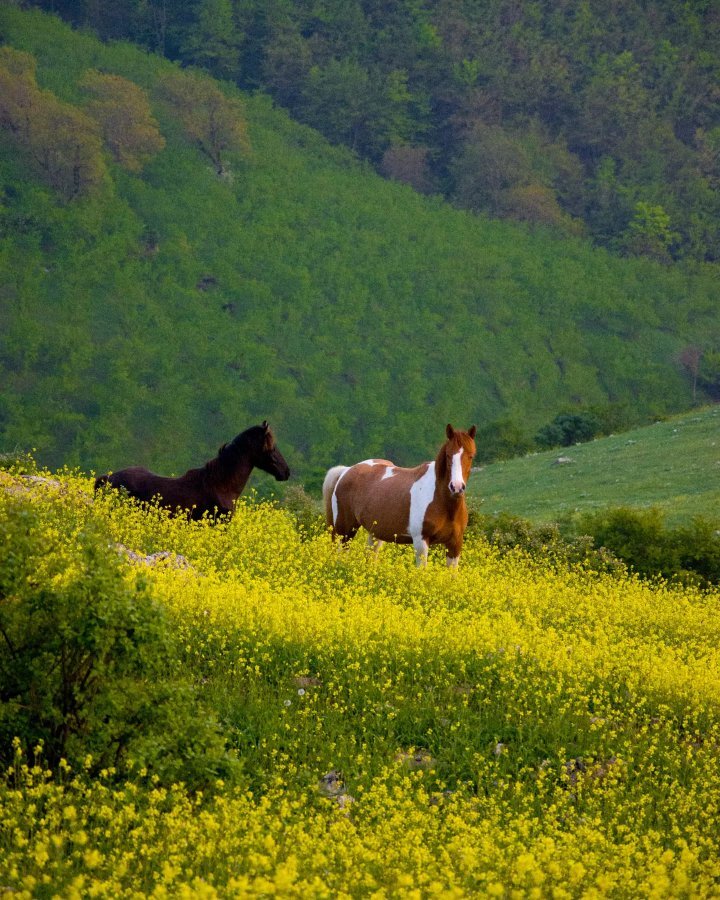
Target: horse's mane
(229,454)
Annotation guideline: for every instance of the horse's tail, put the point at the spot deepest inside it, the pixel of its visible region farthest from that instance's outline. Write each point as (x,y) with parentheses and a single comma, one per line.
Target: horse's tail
(331,479)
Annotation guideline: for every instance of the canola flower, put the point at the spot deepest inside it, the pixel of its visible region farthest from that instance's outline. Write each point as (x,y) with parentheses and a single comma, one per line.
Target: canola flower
(505,730)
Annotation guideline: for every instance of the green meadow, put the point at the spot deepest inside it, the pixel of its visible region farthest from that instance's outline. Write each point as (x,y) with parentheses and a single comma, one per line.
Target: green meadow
(673,465)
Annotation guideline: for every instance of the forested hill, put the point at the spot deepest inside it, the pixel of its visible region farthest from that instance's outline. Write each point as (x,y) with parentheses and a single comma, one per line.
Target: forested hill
(179,261)
(595,116)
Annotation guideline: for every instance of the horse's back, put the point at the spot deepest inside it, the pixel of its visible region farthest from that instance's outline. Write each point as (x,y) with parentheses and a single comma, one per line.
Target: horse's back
(138,482)
(376,494)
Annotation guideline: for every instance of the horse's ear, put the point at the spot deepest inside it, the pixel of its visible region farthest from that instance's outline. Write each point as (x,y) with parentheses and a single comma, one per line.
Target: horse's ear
(222,448)
(449,431)
(472,431)
(265,424)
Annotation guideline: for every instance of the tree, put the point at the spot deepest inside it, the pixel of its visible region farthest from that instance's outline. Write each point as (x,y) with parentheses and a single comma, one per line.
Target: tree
(213,43)
(491,163)
(709,374)
(122,110)
(689,359)
(337,100)
(649,233)
(537,204)
(567,429)
(214,121)
(401,162)
(18,89)
(62,142)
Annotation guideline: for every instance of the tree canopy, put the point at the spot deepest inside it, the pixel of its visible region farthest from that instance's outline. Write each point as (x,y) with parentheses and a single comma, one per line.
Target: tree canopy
(596,107)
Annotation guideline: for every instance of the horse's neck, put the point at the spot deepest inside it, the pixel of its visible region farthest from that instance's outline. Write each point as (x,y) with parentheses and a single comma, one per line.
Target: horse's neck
(230,481)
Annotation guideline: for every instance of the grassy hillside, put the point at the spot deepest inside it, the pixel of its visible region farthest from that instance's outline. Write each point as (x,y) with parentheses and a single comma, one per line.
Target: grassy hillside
(154,319)
(673,465)
(267,716)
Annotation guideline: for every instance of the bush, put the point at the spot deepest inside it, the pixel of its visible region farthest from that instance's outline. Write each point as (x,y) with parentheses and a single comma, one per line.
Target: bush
(306,511)
(19,462)
(501,439)
(641,537)
(86,654)
(567,429)
(543,542)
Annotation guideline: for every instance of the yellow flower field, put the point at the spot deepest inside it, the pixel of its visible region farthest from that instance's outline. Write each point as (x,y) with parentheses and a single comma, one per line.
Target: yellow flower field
(512,729)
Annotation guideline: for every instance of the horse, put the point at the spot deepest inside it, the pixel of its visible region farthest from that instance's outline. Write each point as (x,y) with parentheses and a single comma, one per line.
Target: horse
(420,506)
(213,488)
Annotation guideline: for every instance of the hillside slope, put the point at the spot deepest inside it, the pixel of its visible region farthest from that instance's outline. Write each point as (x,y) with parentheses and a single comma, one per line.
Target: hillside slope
(673,465)
(157,318)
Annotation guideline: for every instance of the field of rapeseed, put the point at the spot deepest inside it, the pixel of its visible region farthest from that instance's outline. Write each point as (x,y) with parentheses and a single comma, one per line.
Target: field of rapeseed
(512,729)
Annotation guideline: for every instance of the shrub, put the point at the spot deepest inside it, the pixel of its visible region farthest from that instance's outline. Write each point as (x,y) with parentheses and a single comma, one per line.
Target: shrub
(641,537)
(86,653)
(306,511)
(543,542)
(501,439)
(566,429)
(19,462)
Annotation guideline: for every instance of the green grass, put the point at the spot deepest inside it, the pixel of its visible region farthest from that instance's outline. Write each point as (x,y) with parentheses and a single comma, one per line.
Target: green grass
(673,465)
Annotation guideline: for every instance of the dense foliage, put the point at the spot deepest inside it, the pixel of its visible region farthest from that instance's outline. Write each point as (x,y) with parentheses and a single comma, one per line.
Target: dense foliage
(614,540)
(644,541)
(228,266)
(513,726)
(598,116)
(88,661)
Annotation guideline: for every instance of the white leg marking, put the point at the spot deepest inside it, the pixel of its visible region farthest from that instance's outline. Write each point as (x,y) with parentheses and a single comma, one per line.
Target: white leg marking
(421,552)
(453,561)
(457,482)
(421,496)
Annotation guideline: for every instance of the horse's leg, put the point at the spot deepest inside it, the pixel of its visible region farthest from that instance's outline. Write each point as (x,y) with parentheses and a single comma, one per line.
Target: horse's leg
(374,543)
(421,551)
(454,547)
(343,532)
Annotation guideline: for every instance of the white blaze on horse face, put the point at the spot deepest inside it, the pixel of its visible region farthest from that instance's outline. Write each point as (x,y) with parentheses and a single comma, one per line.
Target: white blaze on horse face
(421,496)
(457,482)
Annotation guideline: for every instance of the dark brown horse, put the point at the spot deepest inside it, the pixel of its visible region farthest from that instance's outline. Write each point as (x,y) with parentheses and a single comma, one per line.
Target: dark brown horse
(213,488)
(420,506)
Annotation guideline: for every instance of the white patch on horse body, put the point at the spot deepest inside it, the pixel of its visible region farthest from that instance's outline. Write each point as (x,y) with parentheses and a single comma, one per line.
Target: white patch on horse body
(421,496)
(389,472)
(457,482)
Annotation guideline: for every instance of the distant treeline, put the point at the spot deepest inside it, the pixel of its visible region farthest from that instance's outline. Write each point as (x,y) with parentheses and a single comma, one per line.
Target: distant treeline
(599,118)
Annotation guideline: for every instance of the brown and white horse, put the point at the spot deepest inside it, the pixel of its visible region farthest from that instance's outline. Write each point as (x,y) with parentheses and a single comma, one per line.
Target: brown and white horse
(420,506)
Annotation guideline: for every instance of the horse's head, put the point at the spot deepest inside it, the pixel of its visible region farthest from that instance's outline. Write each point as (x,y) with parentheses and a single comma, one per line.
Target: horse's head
(459,450)
(267,456)
(254,447)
